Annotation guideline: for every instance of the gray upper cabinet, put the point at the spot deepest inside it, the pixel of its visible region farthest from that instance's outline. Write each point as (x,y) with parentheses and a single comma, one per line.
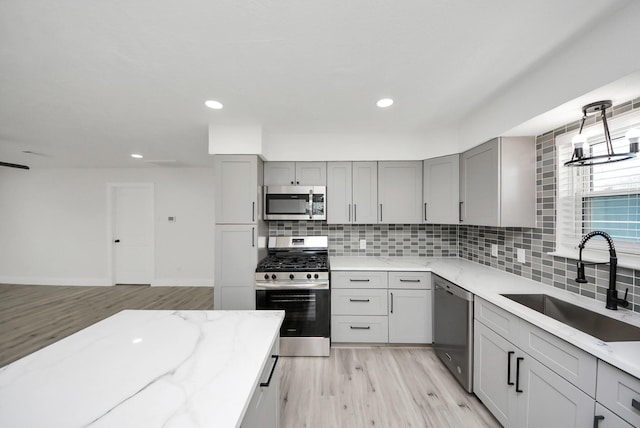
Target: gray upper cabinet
(498,183)
(295,173)
(400,192)
(237,189)
(352,192)
(441,183)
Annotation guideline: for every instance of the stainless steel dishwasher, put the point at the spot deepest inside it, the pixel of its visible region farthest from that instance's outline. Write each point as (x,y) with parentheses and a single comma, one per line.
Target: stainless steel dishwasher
(453,329)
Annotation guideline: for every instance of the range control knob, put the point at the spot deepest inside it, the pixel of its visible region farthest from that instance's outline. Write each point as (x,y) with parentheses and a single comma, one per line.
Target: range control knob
(266,276)
(308,276)
(273,276)
(316,276)
(291,276)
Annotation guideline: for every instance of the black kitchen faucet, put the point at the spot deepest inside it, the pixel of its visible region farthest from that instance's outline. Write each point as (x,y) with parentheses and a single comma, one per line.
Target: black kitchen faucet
(612,294)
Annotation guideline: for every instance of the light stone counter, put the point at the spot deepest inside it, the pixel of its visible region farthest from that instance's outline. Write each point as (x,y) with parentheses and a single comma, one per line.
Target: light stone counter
(143,369)
(489,283)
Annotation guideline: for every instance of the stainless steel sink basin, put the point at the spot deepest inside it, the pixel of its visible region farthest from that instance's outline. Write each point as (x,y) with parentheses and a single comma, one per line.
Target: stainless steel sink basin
(595,324)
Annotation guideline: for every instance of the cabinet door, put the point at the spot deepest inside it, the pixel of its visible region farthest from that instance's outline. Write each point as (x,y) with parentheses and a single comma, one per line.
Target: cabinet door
(339,194)
(549,401)
(311,173)
(410,316)
(236,188)
(365,192)
(400,192)
(235,264)
(480,184)
(279,173)
(493,382)
(441,188)
(264,408)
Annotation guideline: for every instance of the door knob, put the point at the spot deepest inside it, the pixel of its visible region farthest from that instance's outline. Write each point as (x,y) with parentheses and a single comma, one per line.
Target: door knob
(116,241)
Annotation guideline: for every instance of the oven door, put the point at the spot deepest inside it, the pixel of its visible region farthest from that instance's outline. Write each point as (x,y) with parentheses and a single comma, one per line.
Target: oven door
(307,311)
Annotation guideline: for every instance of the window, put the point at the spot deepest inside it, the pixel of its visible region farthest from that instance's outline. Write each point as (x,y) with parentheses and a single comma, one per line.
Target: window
(602,197)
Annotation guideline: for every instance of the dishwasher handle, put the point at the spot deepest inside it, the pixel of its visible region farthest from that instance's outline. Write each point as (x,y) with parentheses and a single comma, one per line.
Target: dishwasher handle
(442,284)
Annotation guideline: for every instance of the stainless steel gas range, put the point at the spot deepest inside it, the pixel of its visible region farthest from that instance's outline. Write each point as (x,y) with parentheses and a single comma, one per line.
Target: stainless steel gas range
(294,277)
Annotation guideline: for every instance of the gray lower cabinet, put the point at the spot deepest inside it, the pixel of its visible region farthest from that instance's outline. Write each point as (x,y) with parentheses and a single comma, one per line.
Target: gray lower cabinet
(381,307)
(605,418)
(400,192)
(264,408)
(236,258)
(522,391)
(618,392)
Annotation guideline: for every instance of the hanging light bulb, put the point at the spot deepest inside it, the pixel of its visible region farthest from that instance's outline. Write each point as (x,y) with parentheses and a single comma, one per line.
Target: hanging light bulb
(633,135)
(580,146)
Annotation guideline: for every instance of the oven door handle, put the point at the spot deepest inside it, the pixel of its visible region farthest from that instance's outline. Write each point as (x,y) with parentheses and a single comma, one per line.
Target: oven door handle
(321,285)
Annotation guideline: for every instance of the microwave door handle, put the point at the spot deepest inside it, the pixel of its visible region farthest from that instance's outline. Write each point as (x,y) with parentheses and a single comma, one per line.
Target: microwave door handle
(310,205)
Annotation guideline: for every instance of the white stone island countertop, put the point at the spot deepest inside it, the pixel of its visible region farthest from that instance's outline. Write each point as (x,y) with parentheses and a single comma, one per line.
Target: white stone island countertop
(143,369)
(489,283)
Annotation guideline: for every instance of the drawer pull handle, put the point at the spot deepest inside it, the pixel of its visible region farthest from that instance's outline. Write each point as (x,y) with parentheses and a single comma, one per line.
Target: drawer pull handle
(357,327)
(596,420)
(635,404)
(509,354)
(409,280)
(359,300)
(358,280)
(273,369)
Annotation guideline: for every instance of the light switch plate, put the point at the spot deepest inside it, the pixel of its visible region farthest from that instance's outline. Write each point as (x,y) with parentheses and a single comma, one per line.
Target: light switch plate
(363,244)
(520,254)
(494,250)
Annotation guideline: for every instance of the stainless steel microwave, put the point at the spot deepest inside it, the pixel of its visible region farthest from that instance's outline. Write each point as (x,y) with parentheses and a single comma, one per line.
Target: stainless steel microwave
(295,203)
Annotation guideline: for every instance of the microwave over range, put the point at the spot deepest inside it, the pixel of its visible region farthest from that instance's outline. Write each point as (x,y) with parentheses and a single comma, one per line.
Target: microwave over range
(295,203)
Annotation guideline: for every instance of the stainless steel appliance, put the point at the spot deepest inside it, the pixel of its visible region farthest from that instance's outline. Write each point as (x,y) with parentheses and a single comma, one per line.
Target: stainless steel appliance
(295,203)
(453,329)
(294,277)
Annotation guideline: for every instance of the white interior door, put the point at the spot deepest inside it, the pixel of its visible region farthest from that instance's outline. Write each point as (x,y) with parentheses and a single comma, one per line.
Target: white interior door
(133,234)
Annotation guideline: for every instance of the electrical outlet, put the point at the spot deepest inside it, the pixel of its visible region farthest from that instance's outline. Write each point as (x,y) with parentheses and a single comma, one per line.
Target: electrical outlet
(363,244)
(520,255)
(494,250)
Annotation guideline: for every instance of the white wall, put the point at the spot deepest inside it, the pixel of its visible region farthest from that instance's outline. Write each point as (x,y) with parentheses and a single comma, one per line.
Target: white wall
(53,225)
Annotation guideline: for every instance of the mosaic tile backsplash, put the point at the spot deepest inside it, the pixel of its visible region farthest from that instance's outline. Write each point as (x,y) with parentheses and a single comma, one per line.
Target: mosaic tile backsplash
(474,242)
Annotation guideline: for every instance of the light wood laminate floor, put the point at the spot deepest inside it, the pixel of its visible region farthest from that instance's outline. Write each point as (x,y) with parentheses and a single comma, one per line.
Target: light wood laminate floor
(354,387)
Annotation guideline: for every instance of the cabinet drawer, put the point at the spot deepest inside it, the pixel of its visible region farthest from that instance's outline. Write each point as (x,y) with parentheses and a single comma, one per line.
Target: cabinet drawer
(359,279)
(497,319)
(410,280)
(620,392)
(359,329)
(610,419)
(358,302)
(573,364)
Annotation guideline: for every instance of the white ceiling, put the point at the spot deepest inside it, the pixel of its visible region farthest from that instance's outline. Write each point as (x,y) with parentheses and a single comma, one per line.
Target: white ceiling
(86,83)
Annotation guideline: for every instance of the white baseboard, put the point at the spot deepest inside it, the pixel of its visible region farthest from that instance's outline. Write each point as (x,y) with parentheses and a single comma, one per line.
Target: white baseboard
(55,281)
(182,282)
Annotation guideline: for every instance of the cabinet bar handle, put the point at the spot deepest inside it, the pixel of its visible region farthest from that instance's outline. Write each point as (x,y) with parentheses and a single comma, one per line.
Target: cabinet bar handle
(409,280)
(391,302)
(355,213)
(509,354)
(425,211)
(635,404)
(358,280)
(273,369)
(460,211)
(359,300)
(596,420)
(357,327)
(518,374)
(253,236)
(253,211)
(349,212)
(380,212)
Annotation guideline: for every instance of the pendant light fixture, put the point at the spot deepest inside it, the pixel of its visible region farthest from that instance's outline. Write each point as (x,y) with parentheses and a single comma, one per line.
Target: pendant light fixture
(581,148)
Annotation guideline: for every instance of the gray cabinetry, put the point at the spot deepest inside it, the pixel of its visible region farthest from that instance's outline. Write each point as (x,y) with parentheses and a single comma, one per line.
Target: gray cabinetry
(400,192)
(619,392)
(295,174)
(352,192)
(441,186)
(239,230)
(497,183)
(264,408)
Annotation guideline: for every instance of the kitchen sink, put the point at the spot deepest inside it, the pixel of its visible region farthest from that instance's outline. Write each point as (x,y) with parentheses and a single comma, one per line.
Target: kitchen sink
(595,324)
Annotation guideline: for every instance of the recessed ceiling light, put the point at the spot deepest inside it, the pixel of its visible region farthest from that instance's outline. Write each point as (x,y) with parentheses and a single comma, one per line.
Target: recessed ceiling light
(384,103)
(216,105)
(137,156)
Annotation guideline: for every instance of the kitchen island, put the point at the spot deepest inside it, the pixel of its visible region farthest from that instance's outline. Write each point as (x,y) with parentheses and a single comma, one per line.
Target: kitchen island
(144,369)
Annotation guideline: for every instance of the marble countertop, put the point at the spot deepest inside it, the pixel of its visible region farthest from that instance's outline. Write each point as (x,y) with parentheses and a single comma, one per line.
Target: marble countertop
(489,284)
(143,369)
